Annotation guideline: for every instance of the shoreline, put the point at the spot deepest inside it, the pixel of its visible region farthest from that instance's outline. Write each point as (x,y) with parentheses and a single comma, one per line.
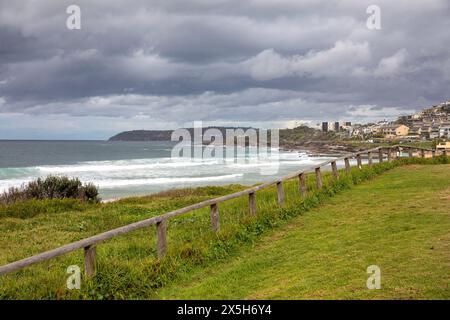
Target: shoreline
(320,148)
(311,153)
(313,150)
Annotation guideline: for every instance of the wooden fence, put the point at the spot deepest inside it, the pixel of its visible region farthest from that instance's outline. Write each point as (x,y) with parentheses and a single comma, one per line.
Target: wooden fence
(89,244)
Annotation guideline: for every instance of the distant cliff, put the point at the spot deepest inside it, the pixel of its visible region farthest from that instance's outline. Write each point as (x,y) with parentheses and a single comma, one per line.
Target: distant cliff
(302,137)
(160,135)
(142,135)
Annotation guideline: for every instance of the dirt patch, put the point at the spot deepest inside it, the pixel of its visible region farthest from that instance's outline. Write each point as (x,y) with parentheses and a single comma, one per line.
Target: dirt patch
(414,166)
(445,195)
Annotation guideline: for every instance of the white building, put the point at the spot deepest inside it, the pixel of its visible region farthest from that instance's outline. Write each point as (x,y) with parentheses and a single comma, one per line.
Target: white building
(444,132)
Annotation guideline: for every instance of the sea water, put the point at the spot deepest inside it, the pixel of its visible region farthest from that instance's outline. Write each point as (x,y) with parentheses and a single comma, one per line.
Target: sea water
(122,169)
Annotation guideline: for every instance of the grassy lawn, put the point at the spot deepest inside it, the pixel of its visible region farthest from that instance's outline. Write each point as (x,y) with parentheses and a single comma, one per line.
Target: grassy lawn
(313,247)
(367,145)
(399,221)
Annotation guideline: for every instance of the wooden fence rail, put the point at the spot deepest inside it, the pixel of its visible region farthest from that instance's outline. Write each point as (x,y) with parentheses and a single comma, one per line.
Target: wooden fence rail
(89,245)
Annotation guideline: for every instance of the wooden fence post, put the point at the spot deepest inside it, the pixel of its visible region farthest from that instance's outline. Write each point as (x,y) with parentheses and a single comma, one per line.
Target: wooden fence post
(347,165)
(380,155)
(215,224)
(161,239)
(252,203)
(334,170)
(433,153)
(389,154)
(280,192)
(89,260)
(358,160)
(445,152)
(318,178)
(302,184)
(369,158)
(410,152)
(422,153)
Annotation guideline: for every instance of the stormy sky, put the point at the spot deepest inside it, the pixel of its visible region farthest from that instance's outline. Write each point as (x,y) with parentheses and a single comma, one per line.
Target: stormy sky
(158,64)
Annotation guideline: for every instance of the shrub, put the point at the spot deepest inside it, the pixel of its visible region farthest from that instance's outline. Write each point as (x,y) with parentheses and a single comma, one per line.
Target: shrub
(89,192)
(52,187)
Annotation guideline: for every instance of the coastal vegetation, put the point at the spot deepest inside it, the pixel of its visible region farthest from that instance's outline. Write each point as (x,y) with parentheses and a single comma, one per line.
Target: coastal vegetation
(345,219)
(299,134)
(302,134)
(362,145)
(50,194)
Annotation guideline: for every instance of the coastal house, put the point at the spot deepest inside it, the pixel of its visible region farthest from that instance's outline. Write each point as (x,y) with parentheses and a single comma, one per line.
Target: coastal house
(394,130)
(444,132)
(443,146)
(434,133)
(425,131)
(415,130)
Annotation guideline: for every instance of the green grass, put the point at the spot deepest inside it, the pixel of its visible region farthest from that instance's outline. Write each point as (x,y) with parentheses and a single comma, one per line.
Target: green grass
(304,134)
(127,267)
(367,145)
(399,221)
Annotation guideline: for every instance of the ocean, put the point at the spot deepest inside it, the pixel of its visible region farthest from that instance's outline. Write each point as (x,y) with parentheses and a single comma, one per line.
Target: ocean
(122,169)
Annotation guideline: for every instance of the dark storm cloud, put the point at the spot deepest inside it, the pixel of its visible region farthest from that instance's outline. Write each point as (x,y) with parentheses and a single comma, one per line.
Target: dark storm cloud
(176,61)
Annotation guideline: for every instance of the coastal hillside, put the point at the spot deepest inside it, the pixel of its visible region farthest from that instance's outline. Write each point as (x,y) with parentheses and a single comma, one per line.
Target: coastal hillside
(313,140)
(142,135)
(296,136)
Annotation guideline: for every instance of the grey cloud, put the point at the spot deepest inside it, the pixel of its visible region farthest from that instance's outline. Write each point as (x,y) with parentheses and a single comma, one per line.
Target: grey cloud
(232,60)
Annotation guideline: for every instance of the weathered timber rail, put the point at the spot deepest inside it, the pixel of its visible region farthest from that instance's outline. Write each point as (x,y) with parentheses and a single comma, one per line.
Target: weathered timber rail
(89,244)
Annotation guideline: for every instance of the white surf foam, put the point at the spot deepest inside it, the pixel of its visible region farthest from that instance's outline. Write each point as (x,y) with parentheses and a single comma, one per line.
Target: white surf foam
(156,174)
(163,181)
(109,166)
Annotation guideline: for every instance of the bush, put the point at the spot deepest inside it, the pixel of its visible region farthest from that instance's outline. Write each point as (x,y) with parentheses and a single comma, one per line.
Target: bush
(52,187)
